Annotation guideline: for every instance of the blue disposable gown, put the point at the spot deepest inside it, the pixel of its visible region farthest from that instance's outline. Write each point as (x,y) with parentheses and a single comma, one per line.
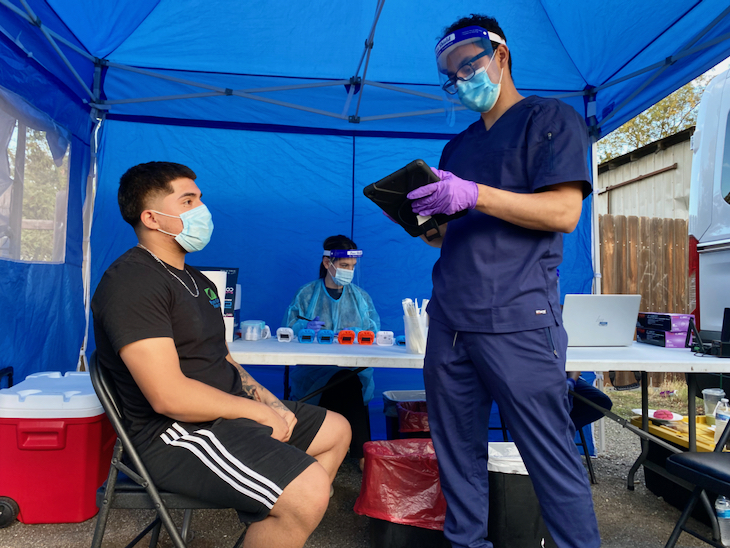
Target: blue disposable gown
(354,308)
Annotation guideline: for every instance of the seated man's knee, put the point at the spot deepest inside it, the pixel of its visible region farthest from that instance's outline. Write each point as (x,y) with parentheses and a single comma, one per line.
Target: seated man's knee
(304,501)
(341,428)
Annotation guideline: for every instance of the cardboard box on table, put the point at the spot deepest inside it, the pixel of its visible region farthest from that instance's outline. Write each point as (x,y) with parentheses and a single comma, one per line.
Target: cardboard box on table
(228,292)
(56,444)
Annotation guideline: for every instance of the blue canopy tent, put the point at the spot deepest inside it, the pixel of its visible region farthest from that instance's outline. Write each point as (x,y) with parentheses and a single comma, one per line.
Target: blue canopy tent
(286,111)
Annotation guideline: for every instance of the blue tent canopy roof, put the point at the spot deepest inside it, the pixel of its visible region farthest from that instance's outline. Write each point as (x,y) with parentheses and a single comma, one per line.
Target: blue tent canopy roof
(175,77)
(559,48)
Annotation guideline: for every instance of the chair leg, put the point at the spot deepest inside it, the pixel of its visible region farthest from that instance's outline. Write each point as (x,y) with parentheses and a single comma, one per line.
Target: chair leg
(240,540)
(683,518)
(111,482)
(587,454)
(187,518)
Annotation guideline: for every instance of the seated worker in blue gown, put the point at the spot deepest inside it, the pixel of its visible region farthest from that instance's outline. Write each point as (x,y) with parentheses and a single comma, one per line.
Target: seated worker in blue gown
(333,302)
(581,413)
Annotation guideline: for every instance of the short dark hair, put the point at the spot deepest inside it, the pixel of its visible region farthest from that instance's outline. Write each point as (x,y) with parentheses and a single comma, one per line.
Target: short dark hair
(142,181)
(335,242)
(487,23)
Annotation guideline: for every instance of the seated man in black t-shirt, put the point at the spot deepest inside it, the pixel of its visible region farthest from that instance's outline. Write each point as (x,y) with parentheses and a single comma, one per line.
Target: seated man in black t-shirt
(203,426)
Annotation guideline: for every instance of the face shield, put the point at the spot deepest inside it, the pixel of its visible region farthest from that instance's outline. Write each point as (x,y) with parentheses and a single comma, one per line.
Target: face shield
(343,265)
(461,55)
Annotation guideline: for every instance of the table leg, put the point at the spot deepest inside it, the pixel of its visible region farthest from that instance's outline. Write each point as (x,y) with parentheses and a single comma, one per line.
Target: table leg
(287,388)
(692,411)
(692,420)
(644,427)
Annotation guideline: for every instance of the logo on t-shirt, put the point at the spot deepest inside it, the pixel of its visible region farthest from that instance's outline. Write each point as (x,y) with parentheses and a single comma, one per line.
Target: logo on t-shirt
(214,300)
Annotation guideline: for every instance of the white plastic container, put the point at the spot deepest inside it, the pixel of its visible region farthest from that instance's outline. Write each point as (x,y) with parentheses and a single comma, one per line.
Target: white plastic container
(722,416)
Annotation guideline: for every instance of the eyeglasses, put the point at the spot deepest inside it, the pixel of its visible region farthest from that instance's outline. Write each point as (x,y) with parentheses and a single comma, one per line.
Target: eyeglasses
(464,73)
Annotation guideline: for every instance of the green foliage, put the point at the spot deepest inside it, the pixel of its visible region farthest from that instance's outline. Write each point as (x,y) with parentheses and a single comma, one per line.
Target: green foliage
(671,115)
(43,181)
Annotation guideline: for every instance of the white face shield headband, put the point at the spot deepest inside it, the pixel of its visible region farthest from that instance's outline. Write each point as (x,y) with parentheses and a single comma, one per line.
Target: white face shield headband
(342,276)
(458,59)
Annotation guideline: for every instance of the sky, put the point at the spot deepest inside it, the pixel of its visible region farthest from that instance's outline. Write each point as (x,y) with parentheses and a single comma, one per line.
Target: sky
(720,67)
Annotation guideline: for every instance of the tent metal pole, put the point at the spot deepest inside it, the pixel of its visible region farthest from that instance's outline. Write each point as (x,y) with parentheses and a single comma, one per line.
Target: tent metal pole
(355,118)
(16,41)
(37,22)
(406,114)
(146,72)
(407,91)
(693,41)
(350,94)
(111,102)
(137,70)
(289,105)
(330,83)
(88,215)
(667,61)
(378,10)
(595,236)
(57,36)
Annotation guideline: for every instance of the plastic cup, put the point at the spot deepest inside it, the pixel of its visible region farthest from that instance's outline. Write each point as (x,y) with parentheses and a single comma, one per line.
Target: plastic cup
(711,396)
(415,335)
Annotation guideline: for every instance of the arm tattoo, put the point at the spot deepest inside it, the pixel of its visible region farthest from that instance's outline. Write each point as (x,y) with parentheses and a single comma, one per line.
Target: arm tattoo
(249,387)
(278,405)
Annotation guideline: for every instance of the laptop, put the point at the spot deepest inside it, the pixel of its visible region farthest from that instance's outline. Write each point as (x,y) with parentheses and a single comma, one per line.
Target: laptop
(600,320)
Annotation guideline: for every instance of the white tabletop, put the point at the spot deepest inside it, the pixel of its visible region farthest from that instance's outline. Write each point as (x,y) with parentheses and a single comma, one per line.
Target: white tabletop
(273,352)
(643,357)
(638,357)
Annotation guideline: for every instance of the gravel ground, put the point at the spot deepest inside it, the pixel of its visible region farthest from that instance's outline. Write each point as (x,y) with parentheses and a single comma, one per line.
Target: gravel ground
(626,519)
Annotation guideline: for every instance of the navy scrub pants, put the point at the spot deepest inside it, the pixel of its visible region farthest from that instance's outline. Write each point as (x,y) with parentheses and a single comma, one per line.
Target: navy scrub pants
(525,374)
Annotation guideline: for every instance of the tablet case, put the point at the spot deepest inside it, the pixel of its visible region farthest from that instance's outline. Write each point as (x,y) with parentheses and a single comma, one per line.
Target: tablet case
(389,194)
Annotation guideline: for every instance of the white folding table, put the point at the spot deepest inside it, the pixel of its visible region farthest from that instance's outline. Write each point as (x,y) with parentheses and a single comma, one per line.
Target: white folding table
(640,357)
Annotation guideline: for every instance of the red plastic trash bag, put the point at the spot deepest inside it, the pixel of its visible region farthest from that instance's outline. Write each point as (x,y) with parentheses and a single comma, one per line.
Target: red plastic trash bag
(412,416)
(400,484)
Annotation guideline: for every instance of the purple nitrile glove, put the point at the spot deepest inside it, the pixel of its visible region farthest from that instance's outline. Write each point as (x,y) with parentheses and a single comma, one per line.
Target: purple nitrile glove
(315,325)
(449,195)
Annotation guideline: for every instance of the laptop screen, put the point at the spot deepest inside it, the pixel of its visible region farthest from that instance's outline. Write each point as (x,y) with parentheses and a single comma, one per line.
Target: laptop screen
(600,320)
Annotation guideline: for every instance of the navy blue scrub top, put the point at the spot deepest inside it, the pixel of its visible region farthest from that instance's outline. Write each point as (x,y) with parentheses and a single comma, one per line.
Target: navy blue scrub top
(494,276)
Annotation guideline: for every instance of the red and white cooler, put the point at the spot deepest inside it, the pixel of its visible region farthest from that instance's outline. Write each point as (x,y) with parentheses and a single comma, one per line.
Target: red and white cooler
(56,445)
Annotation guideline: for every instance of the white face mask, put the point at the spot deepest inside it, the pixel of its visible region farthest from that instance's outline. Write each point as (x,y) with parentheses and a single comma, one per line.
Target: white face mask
(342,276)
(197,228)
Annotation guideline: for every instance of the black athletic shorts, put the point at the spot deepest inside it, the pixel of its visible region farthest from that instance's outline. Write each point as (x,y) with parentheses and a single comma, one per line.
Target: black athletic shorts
(233,463)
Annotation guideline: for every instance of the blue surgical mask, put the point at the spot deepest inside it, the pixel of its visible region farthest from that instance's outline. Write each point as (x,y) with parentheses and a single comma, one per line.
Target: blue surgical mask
(343,276)
(479,94)
(197,228)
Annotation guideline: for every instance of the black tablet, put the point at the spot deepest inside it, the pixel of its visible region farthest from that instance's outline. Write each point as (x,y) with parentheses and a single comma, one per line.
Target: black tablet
(389,194)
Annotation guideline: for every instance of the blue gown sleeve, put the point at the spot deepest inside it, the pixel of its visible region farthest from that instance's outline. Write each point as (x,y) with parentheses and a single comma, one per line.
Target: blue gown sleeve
(297,308)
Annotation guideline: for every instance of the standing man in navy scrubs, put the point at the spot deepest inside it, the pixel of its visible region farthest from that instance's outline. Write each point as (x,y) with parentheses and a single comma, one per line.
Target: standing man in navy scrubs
(496,330)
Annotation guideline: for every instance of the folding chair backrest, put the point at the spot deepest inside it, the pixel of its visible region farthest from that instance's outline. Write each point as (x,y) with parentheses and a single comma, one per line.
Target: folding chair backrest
(104,387)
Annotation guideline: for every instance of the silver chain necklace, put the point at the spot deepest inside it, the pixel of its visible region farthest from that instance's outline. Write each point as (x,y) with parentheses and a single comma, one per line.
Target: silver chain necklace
(197,291)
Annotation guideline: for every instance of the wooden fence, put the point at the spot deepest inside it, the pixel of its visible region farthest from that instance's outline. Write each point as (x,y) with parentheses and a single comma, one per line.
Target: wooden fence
(647,256)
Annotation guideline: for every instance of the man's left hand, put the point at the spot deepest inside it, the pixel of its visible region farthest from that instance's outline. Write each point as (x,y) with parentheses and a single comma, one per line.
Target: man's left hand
(284,413)
(449,195)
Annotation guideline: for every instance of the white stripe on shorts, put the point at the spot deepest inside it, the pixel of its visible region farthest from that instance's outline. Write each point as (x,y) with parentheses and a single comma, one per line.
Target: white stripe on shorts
(266,494)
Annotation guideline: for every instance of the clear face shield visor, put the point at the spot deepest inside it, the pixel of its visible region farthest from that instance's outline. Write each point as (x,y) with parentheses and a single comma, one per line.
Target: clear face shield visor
(459,56)
(343,266)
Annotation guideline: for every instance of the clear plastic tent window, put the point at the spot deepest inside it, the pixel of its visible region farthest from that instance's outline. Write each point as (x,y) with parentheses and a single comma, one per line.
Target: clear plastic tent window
(34,175)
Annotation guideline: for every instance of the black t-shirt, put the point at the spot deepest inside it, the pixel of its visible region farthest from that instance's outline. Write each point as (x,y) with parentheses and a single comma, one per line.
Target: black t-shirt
(136,299)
